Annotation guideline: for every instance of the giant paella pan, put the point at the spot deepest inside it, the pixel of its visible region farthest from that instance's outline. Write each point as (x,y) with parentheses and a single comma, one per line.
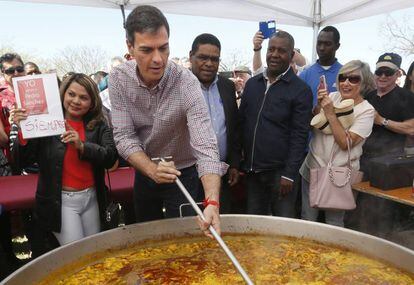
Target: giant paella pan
(272,250)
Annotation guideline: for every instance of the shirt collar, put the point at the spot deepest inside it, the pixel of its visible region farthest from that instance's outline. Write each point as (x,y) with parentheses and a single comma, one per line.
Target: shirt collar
(279,77)
(330,69)
(160,83)
(211,85)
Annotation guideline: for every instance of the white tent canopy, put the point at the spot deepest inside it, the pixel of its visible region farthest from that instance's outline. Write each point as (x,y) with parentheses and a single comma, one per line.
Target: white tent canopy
(310,13)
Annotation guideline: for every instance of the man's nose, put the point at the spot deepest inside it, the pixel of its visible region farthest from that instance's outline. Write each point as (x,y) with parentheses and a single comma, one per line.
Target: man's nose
(156,57)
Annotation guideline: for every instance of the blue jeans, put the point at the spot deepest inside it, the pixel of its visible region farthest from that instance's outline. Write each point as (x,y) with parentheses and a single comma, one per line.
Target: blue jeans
(150,198)
(263,196)
(332,217)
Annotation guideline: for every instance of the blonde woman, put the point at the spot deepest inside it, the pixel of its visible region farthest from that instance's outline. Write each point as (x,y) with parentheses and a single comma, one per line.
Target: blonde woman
(352,82)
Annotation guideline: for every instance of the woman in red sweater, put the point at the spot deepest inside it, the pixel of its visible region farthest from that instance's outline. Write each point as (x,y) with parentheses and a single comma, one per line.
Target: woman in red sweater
(70,192)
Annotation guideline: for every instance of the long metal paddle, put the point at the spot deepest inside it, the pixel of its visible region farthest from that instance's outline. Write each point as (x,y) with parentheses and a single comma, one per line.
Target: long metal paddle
(212,230)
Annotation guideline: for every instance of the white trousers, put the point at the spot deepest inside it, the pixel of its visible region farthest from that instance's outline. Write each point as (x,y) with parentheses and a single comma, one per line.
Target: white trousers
(80,215)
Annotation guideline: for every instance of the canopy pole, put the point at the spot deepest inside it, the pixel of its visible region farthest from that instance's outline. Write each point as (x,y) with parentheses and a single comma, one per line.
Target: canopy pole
(316,26)
(123,14)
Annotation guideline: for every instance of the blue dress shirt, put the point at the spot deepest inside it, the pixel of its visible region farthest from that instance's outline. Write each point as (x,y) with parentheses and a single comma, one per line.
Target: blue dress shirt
(218,119)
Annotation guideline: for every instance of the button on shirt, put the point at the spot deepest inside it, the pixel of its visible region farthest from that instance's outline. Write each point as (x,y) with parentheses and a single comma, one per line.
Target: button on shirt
(170,119)
(218,119)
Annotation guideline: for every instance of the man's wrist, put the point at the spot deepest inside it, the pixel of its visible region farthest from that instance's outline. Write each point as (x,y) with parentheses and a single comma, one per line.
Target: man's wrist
(385,122)
(257,49)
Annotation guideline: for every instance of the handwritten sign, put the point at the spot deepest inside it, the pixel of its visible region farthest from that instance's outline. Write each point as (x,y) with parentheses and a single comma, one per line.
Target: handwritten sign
(39,95)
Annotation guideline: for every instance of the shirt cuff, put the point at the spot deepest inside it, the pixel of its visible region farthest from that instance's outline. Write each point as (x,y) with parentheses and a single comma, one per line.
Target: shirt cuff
(287,178)
(211,167)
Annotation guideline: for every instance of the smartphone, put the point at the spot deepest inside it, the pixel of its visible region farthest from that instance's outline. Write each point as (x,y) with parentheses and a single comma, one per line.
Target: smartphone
(322,83)
(267,28)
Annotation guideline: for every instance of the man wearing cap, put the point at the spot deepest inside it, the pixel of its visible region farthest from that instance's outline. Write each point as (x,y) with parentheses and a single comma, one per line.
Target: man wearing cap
(394,106)
(394,120)
(241,75)
(219,95)
(326,46)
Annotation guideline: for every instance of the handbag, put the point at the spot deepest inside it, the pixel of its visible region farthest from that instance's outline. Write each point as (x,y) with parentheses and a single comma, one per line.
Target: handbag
(331,186)
(5,169)
(114,213)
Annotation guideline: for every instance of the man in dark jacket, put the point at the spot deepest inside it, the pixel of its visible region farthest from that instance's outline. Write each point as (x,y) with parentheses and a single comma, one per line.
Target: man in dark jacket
(274,115)
(219,94)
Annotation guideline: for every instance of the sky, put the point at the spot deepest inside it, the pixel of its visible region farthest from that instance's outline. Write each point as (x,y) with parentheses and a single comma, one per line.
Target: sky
(44,29)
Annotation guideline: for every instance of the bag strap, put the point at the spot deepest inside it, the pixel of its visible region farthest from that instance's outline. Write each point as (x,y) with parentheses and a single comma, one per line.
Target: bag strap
(348,144)
(109,182)
(348,177)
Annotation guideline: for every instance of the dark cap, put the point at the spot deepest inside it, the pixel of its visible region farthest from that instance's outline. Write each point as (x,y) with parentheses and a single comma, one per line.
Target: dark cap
(389,59)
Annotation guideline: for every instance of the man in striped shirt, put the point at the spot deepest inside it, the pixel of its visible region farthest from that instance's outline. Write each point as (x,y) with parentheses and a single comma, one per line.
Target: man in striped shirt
(158,110)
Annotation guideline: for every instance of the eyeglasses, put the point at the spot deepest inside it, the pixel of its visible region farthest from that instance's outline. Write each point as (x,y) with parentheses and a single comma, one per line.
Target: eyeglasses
(387,72)
(12,70)
(353,79)
(205,58)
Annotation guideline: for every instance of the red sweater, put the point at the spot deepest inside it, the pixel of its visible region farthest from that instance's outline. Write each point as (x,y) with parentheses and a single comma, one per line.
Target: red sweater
(77,173)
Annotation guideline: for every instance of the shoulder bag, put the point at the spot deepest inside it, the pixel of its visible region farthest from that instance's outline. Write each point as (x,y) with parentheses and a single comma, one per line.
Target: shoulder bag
(331,186)
(114,213)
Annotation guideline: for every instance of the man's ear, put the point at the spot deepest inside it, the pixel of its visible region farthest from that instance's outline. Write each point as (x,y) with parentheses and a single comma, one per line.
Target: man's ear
(190,55)
(338,45)
(292,55)
(130,47)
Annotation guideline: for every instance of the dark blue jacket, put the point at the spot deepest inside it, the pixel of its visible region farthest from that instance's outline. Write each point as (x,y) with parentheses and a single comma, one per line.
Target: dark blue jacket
(275,124)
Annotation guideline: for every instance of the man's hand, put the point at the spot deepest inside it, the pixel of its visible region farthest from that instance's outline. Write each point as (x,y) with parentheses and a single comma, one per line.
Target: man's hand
(212,216)
(233,176)
(285,186)
(378,120)
(164,172)
(258,40)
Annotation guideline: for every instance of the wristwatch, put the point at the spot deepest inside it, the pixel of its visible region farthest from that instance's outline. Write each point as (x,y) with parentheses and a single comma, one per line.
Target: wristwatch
(385,122)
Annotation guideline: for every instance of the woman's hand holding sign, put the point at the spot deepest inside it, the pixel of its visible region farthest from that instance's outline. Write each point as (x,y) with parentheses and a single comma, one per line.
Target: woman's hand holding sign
(72,136)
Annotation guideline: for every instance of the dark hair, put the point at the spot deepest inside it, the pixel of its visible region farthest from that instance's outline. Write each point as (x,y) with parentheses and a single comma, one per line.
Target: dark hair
(9,57)
(98,76)
(205,39)
(32,64)
(334,31)
(144,18)
(285,35)
(94,114)
(407,84)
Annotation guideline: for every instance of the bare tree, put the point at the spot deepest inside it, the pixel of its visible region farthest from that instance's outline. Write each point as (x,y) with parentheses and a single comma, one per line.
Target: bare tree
(85,59)
(399,35)
(232,59)
(43,63)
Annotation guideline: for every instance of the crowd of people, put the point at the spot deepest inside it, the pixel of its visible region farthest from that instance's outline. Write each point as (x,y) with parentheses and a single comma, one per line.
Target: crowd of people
(254,127)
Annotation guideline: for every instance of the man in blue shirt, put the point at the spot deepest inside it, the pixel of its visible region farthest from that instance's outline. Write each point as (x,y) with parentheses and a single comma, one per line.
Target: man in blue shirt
(327,64)
(220,96)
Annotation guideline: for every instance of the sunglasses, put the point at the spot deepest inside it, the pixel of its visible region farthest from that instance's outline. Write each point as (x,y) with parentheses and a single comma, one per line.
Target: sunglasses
(386,72)
(353,79)
(12,70)
(205,58)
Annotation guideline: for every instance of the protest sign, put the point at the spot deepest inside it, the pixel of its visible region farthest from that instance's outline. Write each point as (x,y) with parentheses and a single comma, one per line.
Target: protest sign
(39,95)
